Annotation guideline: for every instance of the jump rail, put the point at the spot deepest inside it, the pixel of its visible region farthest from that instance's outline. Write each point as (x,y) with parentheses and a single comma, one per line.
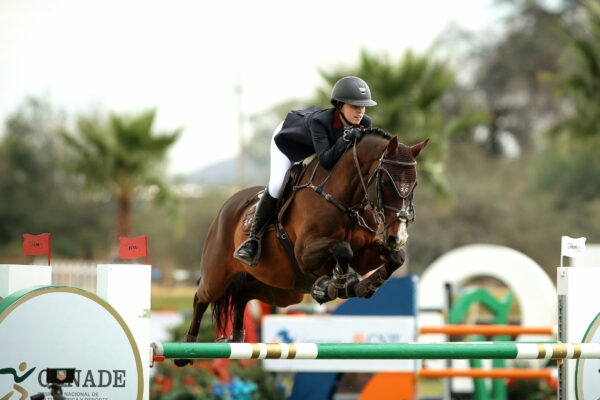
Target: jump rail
(500,373)
(449,350)
(488,330)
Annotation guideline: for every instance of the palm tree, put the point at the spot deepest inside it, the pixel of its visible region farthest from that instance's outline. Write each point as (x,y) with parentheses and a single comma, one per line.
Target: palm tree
(122,156)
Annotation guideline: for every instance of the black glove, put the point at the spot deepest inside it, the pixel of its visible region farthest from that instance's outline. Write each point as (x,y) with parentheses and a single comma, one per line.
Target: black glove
(352,134)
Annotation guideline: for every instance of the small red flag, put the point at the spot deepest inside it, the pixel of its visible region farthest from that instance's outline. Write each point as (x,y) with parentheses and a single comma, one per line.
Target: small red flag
(36,245)
(134,247)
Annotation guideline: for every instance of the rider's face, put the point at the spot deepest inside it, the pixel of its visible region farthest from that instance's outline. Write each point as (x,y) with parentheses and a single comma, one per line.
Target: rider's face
(352,113)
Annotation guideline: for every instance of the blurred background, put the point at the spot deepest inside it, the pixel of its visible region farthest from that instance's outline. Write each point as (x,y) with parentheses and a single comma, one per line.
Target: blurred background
(141,118)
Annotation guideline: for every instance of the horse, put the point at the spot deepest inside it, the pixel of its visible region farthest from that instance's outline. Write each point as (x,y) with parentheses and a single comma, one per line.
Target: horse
(339,226)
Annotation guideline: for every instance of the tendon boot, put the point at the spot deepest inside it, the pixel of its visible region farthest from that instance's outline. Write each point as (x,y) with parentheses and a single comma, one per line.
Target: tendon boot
(249,251)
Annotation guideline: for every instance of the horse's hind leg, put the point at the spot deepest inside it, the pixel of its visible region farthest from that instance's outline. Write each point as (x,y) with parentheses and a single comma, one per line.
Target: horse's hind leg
(237,331)
(199,310)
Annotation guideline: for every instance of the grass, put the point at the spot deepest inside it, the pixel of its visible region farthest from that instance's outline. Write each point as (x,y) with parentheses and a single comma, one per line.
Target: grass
(172,297)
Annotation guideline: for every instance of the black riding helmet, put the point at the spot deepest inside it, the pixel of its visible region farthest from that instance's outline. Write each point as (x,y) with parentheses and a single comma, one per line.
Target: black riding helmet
(352,90)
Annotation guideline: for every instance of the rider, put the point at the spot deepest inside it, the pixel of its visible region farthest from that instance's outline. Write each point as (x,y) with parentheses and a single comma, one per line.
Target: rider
(306,132)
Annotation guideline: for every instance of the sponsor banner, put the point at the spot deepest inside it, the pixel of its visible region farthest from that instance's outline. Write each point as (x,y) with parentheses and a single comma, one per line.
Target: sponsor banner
(63,334)
(338,329)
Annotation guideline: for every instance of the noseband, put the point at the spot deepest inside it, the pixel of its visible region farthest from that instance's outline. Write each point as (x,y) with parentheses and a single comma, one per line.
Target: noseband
(375,208)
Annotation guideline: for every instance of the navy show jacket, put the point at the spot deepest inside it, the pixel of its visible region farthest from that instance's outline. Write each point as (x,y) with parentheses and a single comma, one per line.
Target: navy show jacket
(310,131)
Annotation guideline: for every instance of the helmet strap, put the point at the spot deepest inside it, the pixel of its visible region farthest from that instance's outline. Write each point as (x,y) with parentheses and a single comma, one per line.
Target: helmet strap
(339,109)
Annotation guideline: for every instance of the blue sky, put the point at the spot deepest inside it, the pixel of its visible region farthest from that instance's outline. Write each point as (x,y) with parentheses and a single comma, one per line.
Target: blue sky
(185,57)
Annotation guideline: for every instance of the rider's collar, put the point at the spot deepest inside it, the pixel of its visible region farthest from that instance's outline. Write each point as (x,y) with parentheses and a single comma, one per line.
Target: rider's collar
(337,120)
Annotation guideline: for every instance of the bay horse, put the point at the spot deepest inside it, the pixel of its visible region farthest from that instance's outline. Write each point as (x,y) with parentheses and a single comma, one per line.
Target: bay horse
(339,225)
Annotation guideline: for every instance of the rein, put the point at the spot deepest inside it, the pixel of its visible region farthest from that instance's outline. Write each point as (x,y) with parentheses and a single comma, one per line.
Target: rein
(407,212)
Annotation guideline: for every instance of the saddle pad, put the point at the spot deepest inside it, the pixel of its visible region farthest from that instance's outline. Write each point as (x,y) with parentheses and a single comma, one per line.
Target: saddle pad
(292,177)
(249,217)
(251,212)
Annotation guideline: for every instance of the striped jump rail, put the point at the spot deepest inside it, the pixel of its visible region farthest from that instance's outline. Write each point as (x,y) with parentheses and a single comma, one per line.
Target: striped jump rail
(487,330)
(449,350)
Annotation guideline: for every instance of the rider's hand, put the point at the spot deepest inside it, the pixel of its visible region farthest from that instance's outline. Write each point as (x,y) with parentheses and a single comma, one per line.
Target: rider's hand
(352,134)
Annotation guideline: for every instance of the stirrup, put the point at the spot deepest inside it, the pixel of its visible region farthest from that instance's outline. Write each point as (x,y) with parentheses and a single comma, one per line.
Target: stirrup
(253,262)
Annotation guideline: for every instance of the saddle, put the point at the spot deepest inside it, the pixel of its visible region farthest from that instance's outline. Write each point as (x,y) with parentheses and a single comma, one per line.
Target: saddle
(303,282)
(292,178)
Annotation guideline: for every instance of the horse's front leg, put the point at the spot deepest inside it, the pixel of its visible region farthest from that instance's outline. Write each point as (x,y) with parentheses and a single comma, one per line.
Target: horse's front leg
(342,281)
(368,286)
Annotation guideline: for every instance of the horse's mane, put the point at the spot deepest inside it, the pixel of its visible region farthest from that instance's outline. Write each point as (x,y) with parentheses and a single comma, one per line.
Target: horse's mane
(377,132)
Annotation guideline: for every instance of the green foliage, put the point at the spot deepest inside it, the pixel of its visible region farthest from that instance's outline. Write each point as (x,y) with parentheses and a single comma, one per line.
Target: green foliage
(206,333)
(37,195)
(570,166)
(496,201)
(121,156)
(179,245)
(207,381)
(572,177)
(579,81)
(507,67)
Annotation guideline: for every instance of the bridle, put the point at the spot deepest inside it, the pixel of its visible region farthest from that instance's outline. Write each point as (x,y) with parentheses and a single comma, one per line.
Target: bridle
(407,212)
(375,208)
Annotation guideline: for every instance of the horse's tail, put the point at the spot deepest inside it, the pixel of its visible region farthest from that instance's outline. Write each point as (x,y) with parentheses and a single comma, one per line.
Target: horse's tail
(222,308)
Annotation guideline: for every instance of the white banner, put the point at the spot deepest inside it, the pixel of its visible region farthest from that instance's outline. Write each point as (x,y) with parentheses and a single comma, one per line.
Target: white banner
(338,329)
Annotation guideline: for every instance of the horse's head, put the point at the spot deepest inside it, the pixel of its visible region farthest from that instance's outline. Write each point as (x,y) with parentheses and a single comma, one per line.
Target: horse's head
(391,185)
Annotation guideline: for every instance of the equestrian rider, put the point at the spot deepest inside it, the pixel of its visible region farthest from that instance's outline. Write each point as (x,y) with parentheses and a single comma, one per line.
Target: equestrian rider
(303,133)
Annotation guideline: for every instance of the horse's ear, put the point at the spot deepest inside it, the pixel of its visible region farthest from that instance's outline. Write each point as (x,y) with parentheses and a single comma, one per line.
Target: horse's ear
(416,149)
(392,148)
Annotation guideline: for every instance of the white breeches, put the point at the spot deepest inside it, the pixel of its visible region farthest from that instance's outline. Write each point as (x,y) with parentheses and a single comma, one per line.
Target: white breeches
(279,166)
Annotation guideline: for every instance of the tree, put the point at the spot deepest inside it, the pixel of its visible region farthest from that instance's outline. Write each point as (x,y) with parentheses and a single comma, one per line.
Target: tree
(37,195)
(122,156)
(507,71)
(571,166)
(27,154)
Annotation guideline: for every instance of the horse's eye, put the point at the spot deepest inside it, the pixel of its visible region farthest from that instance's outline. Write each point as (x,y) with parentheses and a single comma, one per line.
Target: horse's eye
(385,184)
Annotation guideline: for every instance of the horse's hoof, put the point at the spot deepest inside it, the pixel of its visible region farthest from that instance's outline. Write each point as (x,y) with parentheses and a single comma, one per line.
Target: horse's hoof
(237,336)
(319,290)
(182,362)
(189,338)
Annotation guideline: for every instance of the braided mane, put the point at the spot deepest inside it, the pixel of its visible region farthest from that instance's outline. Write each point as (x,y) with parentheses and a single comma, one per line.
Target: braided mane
(377,132)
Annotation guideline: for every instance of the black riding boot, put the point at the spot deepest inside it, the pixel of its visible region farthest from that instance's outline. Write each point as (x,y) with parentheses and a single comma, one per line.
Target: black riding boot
(247,252)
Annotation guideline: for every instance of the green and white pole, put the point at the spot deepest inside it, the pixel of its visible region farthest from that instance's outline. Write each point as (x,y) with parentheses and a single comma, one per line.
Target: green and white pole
(450,350)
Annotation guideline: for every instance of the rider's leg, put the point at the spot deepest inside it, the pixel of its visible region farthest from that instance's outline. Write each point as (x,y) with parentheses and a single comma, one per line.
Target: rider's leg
(266,207)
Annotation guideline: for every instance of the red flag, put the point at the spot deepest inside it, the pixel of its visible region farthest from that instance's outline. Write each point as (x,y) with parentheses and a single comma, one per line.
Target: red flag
(36,245)
(134,247)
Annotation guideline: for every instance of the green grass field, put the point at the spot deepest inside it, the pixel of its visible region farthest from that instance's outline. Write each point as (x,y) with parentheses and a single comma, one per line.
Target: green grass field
(172,297)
